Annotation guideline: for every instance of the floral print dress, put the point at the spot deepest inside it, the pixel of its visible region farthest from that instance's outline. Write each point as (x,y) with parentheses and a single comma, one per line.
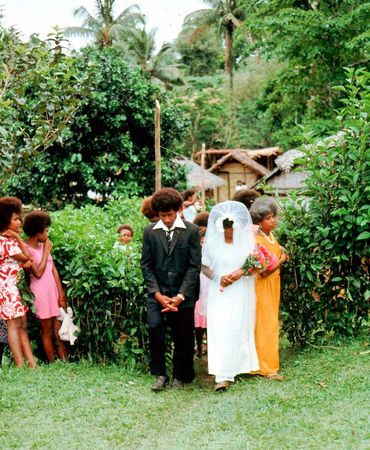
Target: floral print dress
(11,306)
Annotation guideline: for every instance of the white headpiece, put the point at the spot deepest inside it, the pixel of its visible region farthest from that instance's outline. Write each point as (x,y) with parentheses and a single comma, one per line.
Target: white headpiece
(243,237)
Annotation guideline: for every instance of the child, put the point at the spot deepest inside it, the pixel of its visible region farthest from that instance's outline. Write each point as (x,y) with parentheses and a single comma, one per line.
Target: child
(189,204)
(170,263)
(13,256)
(45,283)
(200,311)
(125,235)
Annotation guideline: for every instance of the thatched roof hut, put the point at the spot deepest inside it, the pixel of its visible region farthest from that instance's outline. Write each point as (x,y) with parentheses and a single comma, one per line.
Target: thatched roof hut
(195,175)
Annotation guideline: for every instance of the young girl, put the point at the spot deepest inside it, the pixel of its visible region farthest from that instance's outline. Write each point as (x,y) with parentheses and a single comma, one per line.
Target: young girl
(45,283)
(13,255)
(264,212)
(200,310)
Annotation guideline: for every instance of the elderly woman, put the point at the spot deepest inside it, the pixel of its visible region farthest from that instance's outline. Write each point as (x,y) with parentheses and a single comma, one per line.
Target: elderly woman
(264,214)
(231,296)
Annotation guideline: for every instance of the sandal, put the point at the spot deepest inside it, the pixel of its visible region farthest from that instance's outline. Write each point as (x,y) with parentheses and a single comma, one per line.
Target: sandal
(274,376)
(222,386)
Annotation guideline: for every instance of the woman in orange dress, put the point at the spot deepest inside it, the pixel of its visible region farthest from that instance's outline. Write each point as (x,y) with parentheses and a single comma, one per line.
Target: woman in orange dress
(264,214)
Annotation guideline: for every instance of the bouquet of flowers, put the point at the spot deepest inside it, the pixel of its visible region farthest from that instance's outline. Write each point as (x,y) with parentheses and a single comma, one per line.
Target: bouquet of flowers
(260,259)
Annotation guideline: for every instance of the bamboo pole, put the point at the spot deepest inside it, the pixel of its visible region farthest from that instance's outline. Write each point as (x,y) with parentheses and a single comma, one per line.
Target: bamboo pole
(202,165)
(157,145)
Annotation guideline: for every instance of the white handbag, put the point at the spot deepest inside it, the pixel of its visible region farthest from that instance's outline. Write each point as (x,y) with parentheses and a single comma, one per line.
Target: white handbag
(68,330)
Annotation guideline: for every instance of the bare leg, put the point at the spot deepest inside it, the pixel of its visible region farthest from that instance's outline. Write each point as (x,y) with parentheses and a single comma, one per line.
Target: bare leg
(60,345)
(1,352)
(47,338)
(25,343)
(14,340)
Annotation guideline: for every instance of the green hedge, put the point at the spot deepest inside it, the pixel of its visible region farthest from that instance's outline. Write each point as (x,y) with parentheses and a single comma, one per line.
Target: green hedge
(326,286)
(104,285)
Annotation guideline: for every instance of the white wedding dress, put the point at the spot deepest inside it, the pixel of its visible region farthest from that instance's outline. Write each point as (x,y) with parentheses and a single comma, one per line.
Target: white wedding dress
(230,315)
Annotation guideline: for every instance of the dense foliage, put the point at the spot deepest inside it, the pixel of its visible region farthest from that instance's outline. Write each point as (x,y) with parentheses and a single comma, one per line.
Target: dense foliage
(313,41)
(104,285)
(326,287)
(109,147)
(39,92)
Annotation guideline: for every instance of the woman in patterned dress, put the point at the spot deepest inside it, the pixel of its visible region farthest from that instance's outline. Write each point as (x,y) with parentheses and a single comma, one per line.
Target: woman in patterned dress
(13,256)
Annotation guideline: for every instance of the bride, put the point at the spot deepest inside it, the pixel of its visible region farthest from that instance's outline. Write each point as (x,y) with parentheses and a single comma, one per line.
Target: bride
(231,299)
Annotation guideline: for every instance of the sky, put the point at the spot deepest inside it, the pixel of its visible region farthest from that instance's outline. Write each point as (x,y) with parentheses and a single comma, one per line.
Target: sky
(40,16)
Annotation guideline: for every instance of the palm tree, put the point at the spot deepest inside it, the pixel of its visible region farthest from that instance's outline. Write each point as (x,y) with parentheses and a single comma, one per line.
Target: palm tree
(103,27)
(224,15)
(161,66)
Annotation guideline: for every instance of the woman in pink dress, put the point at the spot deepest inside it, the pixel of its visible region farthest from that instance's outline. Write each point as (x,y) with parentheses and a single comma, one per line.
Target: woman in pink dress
(200,310)
(13,256)
(45,283)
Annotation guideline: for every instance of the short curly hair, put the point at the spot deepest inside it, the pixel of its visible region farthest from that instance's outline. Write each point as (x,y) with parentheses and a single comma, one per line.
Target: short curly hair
(36,222)
(246,196)
(262,207)
(147,210)
(125,226)
(201,219)
(165,200)
(8,207)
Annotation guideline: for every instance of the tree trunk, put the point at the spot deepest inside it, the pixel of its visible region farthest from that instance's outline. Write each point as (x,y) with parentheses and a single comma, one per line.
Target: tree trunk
(229,57)
(157,145)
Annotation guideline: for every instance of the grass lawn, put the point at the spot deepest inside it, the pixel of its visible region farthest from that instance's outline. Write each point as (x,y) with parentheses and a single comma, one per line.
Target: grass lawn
(323,403)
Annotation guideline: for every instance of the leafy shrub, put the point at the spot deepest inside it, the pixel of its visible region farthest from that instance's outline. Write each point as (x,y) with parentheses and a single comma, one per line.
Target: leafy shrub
(326,287)
(109,146)
(104,285)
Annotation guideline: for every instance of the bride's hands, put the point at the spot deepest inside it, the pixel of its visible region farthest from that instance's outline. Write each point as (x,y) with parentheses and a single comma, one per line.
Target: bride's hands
(226,280)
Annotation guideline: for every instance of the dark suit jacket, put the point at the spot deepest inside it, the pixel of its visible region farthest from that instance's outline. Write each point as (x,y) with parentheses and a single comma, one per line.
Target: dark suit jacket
(176,270)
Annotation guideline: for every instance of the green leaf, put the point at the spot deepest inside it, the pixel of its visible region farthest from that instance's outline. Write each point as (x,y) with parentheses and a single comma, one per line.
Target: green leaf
(364,235)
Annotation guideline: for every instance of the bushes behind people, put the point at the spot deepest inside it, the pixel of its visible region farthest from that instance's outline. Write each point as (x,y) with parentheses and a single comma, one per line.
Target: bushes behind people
(326,286)
(104,285)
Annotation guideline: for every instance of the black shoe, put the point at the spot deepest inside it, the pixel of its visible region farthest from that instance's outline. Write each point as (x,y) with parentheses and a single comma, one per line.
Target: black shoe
(159,384)
(177,384)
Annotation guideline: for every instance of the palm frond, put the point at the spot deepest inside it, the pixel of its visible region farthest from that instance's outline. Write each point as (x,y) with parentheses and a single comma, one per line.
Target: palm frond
(79,32)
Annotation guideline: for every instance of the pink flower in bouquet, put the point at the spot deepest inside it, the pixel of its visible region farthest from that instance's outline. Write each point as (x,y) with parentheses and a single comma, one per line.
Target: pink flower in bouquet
(270,258)
(255,261)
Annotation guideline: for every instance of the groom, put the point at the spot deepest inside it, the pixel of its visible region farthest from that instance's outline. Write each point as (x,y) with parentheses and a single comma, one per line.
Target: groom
(171,261)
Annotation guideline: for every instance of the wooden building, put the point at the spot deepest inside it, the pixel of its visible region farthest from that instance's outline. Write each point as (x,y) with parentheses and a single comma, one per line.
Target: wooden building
(239,168)
(286,174)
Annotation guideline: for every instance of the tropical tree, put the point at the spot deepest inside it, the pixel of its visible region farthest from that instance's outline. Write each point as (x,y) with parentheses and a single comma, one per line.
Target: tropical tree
(40,89)
(109,149)
(312,42)
(161,66)
(224,15)
(104,27)
(201,54)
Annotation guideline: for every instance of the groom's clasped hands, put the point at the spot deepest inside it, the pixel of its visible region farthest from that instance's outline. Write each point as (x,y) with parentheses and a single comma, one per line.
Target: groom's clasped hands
(170,304)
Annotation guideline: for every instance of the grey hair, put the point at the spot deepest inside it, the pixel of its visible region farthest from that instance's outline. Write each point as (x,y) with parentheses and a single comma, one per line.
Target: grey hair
(262,207)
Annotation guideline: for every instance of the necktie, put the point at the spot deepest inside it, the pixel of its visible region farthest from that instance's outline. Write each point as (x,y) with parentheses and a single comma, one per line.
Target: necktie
(168,237)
